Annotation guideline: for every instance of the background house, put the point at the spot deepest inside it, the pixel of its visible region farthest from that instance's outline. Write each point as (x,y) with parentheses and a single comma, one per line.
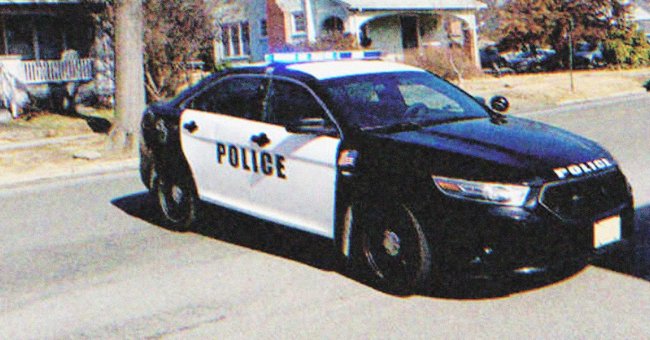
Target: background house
(44,45)
(249,29)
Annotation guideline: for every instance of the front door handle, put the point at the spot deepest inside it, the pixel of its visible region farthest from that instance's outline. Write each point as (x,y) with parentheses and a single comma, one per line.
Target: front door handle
(261,139)
(190,126)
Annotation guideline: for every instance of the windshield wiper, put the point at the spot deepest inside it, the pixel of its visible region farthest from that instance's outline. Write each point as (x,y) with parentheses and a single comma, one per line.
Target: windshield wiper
(395,127)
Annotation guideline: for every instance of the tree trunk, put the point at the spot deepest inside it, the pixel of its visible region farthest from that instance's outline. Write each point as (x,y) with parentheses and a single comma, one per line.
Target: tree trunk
(129,74)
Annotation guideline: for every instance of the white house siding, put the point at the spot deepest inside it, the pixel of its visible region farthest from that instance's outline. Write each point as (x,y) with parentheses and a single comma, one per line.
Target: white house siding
(259,43)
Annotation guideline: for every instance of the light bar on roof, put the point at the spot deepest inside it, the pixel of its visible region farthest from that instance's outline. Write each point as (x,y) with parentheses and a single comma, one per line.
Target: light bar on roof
(298,57)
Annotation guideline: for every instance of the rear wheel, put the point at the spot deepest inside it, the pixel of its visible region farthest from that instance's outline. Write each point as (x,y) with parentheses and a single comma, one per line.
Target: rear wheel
(178,201)
(394,249)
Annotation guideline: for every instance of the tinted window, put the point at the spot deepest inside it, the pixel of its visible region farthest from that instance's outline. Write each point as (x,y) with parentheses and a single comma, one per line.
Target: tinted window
(239,96)
(291,103)
(393,98)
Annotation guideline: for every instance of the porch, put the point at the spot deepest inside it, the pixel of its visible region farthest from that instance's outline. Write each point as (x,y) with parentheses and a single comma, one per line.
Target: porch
(397,32)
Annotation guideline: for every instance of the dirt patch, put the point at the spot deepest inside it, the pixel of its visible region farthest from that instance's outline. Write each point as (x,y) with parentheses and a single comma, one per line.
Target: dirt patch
(72,154)
(40,125)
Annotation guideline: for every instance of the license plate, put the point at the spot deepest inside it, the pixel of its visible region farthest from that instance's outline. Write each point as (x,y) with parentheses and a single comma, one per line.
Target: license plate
(606,231)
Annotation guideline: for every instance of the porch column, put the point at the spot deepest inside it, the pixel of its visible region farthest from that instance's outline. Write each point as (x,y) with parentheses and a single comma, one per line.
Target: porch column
(310,19)
(470,36)
(354,23)
(469,45)
(37,51)
(353,26)
(5,37)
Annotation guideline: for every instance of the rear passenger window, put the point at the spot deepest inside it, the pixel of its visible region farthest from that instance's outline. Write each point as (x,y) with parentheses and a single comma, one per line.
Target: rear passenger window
(238,96)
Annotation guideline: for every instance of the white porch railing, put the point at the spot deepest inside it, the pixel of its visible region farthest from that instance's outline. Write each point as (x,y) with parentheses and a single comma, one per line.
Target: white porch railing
(57,71)
(50,71)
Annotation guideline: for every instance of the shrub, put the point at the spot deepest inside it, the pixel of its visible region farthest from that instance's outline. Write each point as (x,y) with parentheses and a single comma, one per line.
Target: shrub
(327,41)
(627,48)
(449,63)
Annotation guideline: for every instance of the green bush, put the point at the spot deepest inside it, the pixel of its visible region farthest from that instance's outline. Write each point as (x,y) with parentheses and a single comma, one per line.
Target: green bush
(627,49)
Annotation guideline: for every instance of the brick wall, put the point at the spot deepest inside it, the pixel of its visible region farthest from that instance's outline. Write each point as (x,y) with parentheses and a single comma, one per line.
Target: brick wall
(275,25)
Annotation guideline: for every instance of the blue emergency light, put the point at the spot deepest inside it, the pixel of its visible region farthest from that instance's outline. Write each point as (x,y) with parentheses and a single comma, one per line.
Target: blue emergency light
(298,57)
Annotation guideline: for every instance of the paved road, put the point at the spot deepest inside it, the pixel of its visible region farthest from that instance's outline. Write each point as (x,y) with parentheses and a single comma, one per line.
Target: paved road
(89,258)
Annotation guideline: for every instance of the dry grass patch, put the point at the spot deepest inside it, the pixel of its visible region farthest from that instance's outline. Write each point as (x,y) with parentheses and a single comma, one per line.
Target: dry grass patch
(537,91)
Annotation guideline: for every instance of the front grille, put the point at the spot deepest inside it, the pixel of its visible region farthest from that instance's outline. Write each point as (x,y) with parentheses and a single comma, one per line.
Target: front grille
(585,197)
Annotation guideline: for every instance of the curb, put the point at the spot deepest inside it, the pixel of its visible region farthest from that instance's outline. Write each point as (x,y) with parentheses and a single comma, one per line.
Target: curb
(68,172)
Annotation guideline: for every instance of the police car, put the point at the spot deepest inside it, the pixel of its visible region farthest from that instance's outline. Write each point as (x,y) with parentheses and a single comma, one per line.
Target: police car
(408,175)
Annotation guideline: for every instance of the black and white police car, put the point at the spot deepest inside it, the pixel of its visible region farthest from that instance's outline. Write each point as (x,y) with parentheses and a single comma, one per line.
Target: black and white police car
(409,176)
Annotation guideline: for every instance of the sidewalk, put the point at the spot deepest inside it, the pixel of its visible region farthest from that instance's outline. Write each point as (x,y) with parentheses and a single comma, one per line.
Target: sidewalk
(67,171)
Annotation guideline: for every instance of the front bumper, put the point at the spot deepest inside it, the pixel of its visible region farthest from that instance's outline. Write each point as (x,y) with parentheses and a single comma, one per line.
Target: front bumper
(482,240)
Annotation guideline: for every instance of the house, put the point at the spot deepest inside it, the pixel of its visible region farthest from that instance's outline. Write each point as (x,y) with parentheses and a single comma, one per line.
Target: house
(251,28)
(44,44)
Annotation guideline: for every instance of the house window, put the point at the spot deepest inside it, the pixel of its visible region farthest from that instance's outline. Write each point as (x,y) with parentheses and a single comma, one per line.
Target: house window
(299,22)
(263,29)
(235,40)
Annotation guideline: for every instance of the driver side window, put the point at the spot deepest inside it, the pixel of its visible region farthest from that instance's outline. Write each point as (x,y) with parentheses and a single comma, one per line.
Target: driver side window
(290,103)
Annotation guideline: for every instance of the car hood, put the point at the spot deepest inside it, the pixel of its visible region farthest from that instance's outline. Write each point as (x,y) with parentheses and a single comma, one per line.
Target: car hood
(515,150)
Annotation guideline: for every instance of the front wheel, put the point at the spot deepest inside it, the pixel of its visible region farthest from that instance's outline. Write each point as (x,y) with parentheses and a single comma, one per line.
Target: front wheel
(394,249)
(178,201)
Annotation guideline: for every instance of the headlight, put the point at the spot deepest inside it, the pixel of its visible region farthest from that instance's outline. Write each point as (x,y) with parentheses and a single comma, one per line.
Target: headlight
(495,193)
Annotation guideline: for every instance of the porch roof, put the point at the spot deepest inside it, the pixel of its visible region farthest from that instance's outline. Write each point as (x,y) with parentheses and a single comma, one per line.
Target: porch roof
(413,4)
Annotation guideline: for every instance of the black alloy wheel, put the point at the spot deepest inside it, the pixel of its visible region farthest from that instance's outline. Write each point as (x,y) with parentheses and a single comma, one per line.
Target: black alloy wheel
(395,250)
(178,202)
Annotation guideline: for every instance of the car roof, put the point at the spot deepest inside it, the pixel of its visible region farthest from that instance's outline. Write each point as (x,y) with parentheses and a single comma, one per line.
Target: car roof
(323,70)
(309,72)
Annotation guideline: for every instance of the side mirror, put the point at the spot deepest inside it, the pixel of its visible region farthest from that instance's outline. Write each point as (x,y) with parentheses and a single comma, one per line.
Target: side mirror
(499,104)
(317,126)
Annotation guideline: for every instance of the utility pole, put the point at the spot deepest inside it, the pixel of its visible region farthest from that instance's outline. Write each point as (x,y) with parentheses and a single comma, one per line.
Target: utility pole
(573,88)
(129,73)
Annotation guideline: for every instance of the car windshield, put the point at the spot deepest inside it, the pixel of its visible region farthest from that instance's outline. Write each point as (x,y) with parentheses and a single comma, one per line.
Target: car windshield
(401,99)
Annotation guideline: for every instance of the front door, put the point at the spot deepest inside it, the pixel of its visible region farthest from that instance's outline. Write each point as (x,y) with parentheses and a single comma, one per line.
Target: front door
(409,32)
(299,189)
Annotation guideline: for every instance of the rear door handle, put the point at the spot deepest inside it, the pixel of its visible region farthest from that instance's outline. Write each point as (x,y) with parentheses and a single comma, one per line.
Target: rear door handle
(261,139)
(190,126)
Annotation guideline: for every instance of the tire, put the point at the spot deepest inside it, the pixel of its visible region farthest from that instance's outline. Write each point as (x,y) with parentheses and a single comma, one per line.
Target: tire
(393,249)
(178,202)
